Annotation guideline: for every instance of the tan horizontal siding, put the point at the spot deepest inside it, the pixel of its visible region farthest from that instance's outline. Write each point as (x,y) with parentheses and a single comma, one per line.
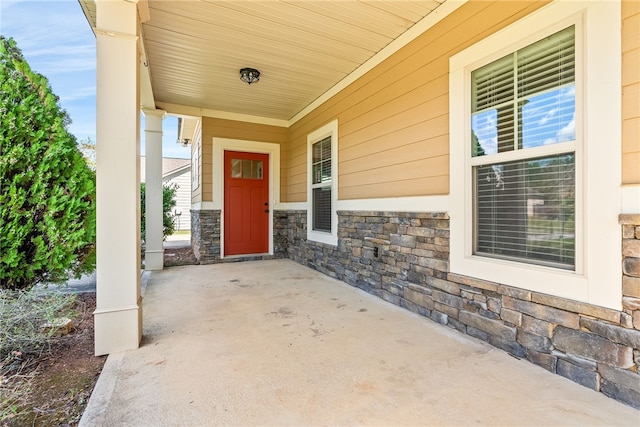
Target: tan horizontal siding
(232,129)
(298,170)
(630,132)
(400,172)
(432,112)
(426,134)
(393,122)
(631,166)
(429,92)
(631,92)
(296,190)
(222,128)
(207,188)
(631,101)
(393,189)
(631,66)
(206,176)
(403,155)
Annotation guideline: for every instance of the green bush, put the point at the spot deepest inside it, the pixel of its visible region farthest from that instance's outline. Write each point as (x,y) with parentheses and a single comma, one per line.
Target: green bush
(168,203)
(47,192)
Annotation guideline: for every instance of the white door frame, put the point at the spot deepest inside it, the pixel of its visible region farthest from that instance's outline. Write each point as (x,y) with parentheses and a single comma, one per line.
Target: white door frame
(220,145)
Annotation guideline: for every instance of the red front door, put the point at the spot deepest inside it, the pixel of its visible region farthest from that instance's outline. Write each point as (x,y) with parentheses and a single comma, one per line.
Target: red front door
(246,203)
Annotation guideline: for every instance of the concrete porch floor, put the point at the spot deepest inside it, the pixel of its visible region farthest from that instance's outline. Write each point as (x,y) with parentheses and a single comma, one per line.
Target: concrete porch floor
(276,343)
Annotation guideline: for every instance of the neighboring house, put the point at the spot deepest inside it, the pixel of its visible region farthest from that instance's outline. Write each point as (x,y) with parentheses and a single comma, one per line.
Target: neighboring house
(478,163)
(176,172)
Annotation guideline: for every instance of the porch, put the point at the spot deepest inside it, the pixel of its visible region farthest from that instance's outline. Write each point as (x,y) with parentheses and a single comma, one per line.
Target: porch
(277,343)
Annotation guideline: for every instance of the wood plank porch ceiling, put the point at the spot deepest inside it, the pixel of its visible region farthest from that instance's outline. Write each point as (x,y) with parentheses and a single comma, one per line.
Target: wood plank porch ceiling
(302,48)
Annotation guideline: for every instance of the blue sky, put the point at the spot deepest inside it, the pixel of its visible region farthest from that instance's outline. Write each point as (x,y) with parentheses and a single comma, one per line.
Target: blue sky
(547,118)
(57,41)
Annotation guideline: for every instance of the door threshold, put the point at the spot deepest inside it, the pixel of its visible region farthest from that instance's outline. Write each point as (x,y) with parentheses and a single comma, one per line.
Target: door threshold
(246,256)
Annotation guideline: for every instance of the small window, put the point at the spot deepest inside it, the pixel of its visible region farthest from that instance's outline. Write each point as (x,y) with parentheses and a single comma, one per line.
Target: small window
(321,185)
(322,217)
(524,203)
(246,169)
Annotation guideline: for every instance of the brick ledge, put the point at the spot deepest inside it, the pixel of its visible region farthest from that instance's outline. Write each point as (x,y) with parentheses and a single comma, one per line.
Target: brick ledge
(629,219)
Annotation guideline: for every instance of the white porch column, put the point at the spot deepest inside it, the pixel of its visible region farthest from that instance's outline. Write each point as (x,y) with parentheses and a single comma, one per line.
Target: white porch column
(154,253)
(118,315)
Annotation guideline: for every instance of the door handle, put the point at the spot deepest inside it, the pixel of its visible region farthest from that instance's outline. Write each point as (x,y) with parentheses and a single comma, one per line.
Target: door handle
(266,211)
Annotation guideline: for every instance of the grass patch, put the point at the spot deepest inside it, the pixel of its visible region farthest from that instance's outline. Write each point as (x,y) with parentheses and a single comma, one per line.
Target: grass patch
(22,317)
(542,225)
(15,390)
(24,343)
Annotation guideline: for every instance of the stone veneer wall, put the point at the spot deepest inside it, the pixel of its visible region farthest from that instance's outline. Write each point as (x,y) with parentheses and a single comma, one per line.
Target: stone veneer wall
(205,235)
(631,266)
(404,258)
(205,238)
(280,234)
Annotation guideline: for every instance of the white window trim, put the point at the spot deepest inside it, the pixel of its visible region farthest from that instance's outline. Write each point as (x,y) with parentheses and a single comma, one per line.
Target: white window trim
(597,279)
(195,166)
(220,145)
(330,129)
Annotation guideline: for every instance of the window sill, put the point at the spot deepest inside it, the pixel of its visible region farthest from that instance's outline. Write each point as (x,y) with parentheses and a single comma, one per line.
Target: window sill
(322,237)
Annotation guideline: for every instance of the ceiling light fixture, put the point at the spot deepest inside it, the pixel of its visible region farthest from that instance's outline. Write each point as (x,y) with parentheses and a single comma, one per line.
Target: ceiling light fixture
(249,75)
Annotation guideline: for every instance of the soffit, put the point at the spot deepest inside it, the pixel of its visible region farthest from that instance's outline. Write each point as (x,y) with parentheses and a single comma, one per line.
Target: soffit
(195,49)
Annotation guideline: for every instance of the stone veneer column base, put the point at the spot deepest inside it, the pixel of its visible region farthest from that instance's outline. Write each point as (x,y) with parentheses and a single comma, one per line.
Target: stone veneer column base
(205,237)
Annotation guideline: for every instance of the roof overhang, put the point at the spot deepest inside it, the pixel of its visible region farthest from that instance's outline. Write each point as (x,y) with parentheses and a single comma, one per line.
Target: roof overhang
(307,51)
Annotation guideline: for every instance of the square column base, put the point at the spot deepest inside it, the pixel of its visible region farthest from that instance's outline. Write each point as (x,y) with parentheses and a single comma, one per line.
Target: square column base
(118,329)
(154,260)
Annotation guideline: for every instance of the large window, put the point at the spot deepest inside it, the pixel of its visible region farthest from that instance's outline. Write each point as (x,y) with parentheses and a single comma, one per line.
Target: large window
(535,136)
(322,180)
(524,199)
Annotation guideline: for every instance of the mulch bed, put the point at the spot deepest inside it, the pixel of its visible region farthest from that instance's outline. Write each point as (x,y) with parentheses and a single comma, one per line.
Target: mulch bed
(179,256)
(63,381)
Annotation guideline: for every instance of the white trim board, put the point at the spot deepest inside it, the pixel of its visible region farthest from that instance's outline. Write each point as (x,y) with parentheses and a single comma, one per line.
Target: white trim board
(630,199)
(428,204)
(425,204)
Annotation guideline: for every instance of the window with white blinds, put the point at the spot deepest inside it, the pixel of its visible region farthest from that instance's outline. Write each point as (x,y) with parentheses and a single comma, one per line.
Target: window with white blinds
(524,202)
(321,184)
